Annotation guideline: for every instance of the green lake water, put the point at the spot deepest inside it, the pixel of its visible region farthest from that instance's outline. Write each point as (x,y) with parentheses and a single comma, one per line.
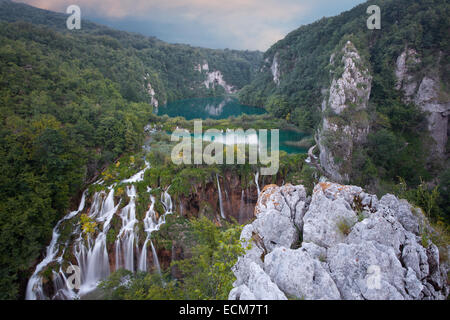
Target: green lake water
(222,108)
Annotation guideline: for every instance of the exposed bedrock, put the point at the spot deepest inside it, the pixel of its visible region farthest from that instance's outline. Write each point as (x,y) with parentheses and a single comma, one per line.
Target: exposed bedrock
(341,243)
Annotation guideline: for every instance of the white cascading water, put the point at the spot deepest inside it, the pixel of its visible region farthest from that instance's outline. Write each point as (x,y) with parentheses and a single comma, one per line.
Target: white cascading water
(220,198)
(91,253)
(34,287)
(127,236)
(257,183)
(151,223)
(155,258)
(149,227)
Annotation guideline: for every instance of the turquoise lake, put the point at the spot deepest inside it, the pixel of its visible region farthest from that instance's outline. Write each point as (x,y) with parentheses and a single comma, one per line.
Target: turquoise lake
(222,108)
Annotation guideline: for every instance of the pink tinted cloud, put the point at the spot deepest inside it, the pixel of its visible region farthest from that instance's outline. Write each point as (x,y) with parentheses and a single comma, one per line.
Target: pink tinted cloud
(255,24)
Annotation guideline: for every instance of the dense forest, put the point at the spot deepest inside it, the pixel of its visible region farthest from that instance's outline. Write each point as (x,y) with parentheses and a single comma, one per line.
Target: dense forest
(71,103)
(305,72)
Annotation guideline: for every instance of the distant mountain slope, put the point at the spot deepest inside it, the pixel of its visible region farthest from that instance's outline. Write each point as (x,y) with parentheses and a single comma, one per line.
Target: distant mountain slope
(296,69)
(403,125)
(173,68)
(14,11)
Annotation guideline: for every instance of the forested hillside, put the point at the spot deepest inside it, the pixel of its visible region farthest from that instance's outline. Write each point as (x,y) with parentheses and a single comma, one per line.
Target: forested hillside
(295,83)
(303,56)
(73,102)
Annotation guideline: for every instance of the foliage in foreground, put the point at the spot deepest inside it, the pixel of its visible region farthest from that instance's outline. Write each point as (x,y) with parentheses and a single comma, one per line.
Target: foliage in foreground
(206,273)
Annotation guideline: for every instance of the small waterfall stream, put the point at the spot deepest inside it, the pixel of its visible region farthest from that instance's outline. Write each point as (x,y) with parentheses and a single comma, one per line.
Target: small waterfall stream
(155,258)
(152,224)
(127,236)
(34,287)
(257,182)
(220,198)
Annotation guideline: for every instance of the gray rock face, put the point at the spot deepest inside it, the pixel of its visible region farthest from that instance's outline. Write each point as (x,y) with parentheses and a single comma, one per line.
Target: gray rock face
(379,257)
(299,275)
(403,211)
(259,287)
(324,218)
(424,91)
(363,271)
(349,91)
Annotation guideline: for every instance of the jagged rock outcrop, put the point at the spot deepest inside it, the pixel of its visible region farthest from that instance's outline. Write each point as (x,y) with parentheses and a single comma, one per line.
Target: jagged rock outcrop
(345,122)
(214,78)
(341,243)
(151,92)
(426,92)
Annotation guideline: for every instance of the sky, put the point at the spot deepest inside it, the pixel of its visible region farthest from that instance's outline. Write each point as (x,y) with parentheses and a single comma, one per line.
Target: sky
(218,24)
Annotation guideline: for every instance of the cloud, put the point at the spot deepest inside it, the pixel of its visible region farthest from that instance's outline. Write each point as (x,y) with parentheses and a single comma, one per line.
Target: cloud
(241,24)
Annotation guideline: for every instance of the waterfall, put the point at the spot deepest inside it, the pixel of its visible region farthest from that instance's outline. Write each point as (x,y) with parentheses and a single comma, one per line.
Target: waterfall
(138,176)
(91,251)
(166,200)
(220,198)
(142,266)
(34,287)
(150,225)
(127,234)
(155,258)
(257,183)
(91,254)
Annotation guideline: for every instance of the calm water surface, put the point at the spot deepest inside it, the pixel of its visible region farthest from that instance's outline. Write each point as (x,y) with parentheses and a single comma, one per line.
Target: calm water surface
(221,108)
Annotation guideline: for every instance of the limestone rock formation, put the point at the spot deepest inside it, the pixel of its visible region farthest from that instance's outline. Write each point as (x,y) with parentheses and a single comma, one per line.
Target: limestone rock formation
(426,92)
(345,121)
(341,243)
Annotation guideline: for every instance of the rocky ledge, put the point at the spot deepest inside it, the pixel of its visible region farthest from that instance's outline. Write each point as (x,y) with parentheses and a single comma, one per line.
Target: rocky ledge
(341,243)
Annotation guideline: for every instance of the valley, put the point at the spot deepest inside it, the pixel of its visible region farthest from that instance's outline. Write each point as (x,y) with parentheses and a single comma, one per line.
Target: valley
(93,205)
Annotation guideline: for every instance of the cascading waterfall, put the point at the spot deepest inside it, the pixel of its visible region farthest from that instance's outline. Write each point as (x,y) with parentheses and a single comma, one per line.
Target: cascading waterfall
(155,258)
(34,287)
(149,227)
(91,254)
(127,236)
(257,183)
(91,251)
(220,198)
(152,224)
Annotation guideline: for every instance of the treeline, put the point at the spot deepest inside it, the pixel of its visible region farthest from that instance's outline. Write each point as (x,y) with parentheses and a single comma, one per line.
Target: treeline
(127,57)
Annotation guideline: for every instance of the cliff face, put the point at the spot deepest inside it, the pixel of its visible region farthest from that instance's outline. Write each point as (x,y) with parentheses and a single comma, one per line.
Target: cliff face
(341,243)
(426,92)
(344,121)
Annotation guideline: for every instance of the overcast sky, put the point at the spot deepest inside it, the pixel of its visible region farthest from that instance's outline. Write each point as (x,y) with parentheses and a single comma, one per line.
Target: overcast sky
(234,24)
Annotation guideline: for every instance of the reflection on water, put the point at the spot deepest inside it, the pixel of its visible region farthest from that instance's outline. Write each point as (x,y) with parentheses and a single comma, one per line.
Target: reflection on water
(222,108)
(204,108)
